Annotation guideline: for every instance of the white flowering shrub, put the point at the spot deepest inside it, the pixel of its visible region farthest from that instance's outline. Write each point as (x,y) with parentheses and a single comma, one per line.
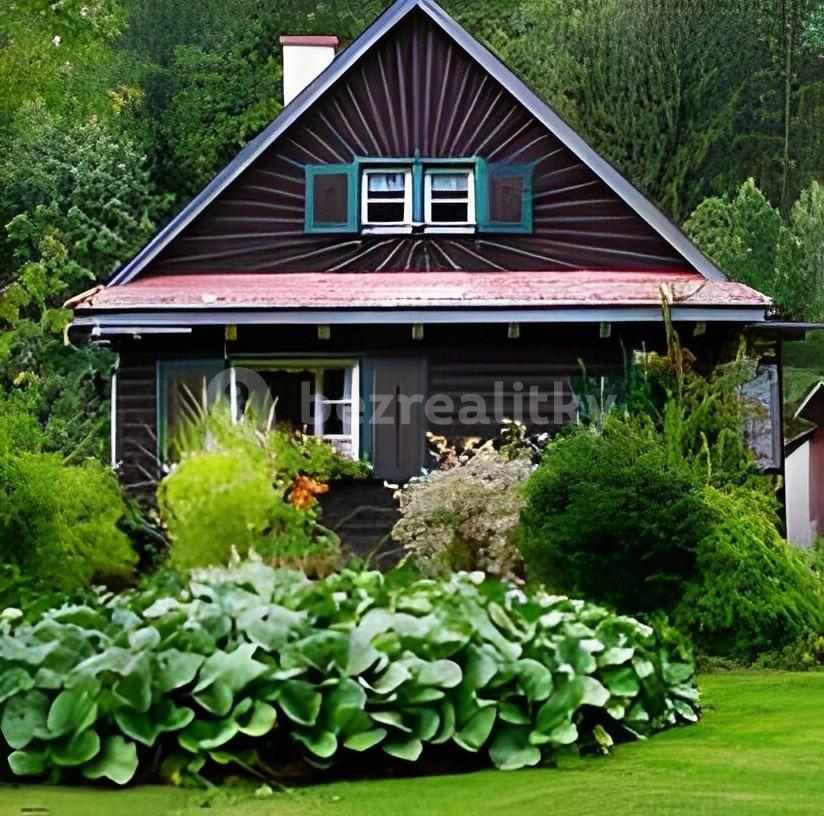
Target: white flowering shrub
(464,516)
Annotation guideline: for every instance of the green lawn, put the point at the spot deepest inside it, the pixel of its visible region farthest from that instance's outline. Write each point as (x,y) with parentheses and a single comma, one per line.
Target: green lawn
(758,750)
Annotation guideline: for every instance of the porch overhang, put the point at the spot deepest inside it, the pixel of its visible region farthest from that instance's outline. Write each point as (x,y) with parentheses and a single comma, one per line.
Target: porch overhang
(184,301)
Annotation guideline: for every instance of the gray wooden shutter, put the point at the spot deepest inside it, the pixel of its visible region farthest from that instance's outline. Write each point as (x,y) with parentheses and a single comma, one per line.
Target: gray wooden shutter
(398,429)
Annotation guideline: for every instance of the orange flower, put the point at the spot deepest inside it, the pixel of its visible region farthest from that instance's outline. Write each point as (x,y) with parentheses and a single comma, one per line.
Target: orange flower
(304,490)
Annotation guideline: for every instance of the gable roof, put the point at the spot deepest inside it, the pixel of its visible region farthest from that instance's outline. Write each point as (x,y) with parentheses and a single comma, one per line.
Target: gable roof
(488,61)
(812,406)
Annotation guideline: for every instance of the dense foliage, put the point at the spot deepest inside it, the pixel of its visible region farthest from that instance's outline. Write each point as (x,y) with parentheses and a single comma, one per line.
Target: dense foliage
(753,593)
(658,506)
(611,515)
(253,666)
(464,514)
(60,525)
(238,488)
(747,237)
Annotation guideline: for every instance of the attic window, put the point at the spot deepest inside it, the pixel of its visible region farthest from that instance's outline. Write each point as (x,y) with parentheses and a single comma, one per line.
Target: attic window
(387,198)
(422,195)
(449,198)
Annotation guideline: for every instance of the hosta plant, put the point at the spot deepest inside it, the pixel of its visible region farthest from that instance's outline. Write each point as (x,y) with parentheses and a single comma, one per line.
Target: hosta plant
(256,667)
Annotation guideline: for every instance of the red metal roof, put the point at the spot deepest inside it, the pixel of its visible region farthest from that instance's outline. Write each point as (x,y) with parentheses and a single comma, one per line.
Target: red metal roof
(387,290)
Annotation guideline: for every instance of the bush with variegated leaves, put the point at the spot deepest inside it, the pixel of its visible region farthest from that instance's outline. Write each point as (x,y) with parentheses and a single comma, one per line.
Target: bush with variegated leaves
(255,667)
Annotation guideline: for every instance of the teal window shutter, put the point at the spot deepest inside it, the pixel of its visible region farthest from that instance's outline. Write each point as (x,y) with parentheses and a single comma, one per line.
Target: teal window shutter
(183,391)
(503,197)
(332,196)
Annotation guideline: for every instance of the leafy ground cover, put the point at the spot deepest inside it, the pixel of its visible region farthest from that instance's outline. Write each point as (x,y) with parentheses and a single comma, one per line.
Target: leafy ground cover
(758,750)
(254,667)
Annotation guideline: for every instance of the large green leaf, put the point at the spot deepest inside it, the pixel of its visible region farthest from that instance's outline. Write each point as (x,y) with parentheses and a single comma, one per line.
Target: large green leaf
(622,682)
(343,707)
(117,761)
(408,748)
(135,689)
(13,681)
(441,673)
(677,673)
(423,721)
(447,727)
(393,677)
(258,720)
(146,726)
(300,701)
(475,732)
(24,718)
(510,749)
(535,679)
(365,739)
(72,709)
(320,742)
(561,705)
(481,666)
(204,735)
(27,763)
(174,669)
(595,694)
(75,750)
(235,669)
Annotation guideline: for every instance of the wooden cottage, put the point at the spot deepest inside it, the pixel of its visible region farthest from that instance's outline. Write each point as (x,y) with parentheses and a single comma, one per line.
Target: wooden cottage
(418,242)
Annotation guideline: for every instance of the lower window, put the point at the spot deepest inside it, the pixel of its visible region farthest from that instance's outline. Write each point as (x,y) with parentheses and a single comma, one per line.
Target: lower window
(319,397)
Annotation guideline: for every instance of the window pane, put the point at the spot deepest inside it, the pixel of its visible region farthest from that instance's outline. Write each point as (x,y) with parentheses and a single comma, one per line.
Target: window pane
(333,383)
(392,183)
(450,182)
(293,393)
(506,199)
(331,198)
(449,212)
(385,212)
(333,419)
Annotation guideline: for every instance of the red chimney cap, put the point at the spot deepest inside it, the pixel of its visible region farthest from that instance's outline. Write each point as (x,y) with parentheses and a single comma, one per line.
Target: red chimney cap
(309,39)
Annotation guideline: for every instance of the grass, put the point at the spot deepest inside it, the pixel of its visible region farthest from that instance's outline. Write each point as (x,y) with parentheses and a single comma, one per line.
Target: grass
(758,750)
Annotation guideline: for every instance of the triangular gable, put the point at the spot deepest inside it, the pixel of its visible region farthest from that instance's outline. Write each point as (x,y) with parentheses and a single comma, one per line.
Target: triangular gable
(647,240)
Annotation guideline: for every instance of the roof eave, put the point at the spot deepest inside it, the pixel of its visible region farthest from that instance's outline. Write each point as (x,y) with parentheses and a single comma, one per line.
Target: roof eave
(116,320)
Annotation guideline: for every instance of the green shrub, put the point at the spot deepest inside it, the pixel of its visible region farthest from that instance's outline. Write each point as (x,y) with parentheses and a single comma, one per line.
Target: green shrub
(753,593)
(255,666)
(239,488)
(611,515)
(464,516)
(59,524)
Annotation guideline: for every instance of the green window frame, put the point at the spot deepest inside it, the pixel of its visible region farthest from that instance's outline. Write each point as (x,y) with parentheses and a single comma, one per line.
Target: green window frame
(169,370)
(352,173)
(484,174)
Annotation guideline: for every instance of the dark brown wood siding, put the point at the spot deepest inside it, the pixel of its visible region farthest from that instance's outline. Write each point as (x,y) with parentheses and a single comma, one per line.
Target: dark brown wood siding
(454,360)
(136,421)
(416,90)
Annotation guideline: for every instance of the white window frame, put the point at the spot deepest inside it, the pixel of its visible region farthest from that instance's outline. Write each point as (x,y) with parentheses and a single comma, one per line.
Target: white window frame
(382,227)
(449,226)
(317,366)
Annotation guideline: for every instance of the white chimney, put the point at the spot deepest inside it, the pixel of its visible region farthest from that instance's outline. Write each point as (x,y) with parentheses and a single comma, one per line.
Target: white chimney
(304,57)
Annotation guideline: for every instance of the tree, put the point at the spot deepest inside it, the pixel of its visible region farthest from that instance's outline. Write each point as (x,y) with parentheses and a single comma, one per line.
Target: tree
(747,238)
(800,261)
(77,200)
(653,85)
(740,233)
